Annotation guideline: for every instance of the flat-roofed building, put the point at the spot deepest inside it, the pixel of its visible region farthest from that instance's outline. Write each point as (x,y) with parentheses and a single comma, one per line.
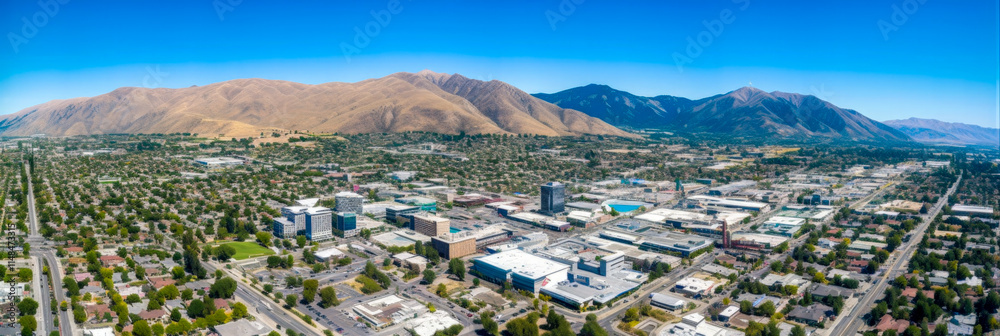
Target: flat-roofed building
(972,210)
(319,223)
(693,287)
(716,202)
(525,271)
(394,213)
(672,242)
(782,226)
(284,228)
(349,202)
(347,225)
(217,162)
(666,301)
(388,310)
(431,225)
(455,245)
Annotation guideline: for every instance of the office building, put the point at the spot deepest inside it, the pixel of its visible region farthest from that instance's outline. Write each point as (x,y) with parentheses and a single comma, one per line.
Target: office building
(284,228)
(431,225)
(347,225)
(553,198)
(319,223)
(455,245)
(349,202)
(525,271)
(394,213)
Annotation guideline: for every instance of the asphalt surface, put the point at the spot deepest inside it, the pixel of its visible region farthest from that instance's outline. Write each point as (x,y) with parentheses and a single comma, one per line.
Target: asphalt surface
(849,324)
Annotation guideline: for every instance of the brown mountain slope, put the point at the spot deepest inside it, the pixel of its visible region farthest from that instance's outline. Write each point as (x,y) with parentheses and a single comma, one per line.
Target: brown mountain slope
(424,101)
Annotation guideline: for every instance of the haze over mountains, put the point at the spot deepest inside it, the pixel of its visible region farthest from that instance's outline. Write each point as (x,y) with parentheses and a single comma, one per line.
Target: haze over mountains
(744,112)
(940,132)
(424,101)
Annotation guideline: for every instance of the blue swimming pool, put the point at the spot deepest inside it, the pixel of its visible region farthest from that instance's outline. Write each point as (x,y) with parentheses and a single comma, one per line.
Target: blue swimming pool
(624,207)
(454,230)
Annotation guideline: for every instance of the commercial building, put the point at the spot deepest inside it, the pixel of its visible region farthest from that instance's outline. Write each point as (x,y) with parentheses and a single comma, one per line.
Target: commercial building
(782,226)
(732,188)
(389,310)
(672,242)
(728,313)
(329,254)
(304,218)
(424,203)
(553,198)
(704,201)
(525,271)
(666,301)
(763,240)
(409,260)
(431,225)
(349,202)
(219,162)
(394,213)
(693,287)
(971,210)
(284,228)
(242,328)
(429,324)
(347,225)
(319,223)
(454,245)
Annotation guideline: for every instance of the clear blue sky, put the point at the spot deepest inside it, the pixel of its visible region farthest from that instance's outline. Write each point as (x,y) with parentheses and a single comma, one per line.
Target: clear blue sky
(940,61)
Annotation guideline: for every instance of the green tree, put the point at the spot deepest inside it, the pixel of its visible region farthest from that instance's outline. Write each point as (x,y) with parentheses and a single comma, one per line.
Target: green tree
(28,325)
(291,300)
(309,289)
(27,306)
(141,328)
(429,276)
(223,289)
(457,267)
(328,297)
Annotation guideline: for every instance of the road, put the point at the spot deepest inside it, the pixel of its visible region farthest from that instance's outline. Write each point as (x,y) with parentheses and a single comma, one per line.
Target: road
(849,324)
(266,306)
(66,320)
(35,240)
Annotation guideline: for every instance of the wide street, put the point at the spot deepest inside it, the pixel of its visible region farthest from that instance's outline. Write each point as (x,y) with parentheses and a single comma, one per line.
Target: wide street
(849,324)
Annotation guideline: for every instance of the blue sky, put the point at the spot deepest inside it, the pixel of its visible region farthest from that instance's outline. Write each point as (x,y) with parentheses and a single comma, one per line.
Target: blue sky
(934,59)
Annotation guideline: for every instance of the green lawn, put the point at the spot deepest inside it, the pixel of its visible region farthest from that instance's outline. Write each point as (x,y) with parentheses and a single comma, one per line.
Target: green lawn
(246,250)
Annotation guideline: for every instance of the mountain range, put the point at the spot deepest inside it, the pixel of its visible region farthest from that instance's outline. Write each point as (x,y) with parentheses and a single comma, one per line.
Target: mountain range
(746,111)
(423,101)
(940,132)
(451,103)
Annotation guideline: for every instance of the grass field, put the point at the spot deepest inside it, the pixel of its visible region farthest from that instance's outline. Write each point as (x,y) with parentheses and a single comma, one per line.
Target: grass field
(246,250)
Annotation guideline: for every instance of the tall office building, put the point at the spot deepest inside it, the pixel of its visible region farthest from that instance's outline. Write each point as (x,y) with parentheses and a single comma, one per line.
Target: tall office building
(349,202)
(553,198)
(347,224)
(431,225)
(283,228)
(319,223)
(295,214)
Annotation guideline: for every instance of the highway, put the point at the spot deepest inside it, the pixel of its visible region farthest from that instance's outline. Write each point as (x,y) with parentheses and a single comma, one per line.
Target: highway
(848,325)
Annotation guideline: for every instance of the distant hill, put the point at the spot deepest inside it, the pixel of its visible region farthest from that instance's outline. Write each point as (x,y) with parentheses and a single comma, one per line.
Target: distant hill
(940,132)
(424,101)
(744,112)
